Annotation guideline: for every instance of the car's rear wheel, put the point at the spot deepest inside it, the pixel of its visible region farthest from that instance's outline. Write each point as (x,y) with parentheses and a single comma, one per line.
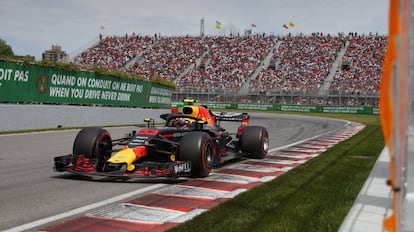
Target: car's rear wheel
(93,143)
(254,140)
(198,148)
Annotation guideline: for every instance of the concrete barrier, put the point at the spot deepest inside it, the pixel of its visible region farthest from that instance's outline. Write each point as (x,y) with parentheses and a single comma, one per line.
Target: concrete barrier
(14,117)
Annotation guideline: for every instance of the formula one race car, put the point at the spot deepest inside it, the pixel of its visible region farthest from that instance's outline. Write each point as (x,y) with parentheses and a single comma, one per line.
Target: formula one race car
(189,144)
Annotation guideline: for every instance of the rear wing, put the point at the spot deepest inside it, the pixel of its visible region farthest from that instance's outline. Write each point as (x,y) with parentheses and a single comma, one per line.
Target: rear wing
(231,117)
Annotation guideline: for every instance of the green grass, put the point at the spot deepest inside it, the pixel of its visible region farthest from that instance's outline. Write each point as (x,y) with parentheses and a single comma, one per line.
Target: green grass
(315,196)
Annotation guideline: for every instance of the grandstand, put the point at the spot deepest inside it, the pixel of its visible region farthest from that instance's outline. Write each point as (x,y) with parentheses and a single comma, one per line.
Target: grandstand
(342,69)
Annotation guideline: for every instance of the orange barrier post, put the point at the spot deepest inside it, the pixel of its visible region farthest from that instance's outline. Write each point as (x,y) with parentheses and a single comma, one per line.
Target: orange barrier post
(386,96)
(394,98)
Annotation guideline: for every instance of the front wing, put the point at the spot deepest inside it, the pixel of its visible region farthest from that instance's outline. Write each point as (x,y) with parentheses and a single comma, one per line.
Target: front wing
(147,169)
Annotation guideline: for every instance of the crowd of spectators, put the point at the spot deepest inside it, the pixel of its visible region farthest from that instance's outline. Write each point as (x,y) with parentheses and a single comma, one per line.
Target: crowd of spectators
(114,52)
(361,68)
(300,62)
(232,60)
(168,57)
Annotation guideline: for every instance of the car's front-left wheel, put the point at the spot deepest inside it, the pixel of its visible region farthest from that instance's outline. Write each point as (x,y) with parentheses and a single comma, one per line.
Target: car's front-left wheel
(93,143)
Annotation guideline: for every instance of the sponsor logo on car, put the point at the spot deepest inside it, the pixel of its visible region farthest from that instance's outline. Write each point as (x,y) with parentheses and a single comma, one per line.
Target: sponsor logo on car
(182,167)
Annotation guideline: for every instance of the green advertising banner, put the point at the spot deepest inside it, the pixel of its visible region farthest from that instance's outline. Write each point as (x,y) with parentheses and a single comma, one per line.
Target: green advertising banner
(257,107)
(300,108)
(33,83)
(347,109)
(217,105)
(290,108)
(210,105)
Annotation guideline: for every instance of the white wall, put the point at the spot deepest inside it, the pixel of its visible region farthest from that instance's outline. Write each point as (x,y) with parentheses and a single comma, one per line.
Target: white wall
(25,117)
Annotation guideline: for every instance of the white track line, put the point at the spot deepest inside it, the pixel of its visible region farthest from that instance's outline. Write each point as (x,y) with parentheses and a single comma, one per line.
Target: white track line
(83,209)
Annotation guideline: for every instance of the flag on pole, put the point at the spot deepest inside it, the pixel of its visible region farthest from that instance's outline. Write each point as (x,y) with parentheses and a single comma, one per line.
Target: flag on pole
(218,25)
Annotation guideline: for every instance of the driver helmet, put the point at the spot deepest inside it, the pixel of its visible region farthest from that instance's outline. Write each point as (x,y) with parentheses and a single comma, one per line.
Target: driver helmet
(188,122)
(183,122)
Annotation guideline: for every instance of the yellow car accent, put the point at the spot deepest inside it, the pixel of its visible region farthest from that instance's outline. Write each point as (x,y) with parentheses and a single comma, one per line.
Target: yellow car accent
(128,156)
(189,101)
(191,110)
(130,167)
(199,112)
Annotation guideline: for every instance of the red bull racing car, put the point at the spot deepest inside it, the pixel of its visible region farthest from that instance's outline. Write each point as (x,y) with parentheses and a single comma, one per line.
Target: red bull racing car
(189,144)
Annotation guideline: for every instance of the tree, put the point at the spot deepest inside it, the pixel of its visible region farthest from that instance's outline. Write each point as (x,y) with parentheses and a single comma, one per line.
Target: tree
(5,49)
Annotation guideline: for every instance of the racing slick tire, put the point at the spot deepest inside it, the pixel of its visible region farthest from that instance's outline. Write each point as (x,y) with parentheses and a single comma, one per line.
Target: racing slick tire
(254,140)
(198,148)
(93,143)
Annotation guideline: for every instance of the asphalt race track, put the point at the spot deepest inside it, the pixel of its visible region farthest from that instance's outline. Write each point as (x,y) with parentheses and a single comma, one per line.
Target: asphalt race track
(33,196)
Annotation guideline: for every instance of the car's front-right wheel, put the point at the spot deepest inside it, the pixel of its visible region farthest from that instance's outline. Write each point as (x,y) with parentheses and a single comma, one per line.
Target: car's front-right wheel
(198,148)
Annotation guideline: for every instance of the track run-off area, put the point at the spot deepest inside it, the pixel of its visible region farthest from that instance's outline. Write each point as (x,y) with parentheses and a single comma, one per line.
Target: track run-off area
(35,198)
